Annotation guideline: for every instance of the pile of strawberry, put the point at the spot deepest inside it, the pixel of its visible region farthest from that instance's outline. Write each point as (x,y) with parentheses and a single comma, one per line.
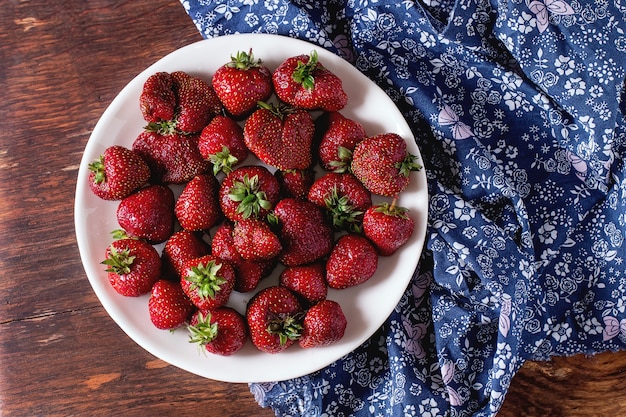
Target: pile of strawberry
(323,230)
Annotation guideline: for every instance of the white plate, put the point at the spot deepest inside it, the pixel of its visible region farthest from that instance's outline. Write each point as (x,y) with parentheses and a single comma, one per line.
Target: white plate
(366,306)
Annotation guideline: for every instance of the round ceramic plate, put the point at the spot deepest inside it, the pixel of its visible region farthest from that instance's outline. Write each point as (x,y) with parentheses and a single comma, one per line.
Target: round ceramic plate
(366,306)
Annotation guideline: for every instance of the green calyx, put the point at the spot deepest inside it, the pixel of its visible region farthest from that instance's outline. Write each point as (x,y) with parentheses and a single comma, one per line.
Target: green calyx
(204,332)
(223,161)
(392,210)
(119,262)
(250,197)
(303,73)
(342,164)
(408,164)
(163,127)
(286,327)
(343,214)
(97,167)
(243,61)
(205,279)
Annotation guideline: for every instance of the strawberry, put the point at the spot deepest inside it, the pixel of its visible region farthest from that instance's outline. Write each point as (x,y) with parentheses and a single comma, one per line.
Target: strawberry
(117,173)
(340,137)
(255,241)
(208,281)
(158,100)
(221,142)
(248,192)
(383,164)
(303,230)
(148,213)
(198,208)
(307,281)
(221,331)
(132,266)
(241,83)
(280,136)
(388,227)
(248,273)
(324,324)
(173,159)
(197,102)
(352,261)
(168,306)
(182,246)
(295,182)
(274,316)
(304,82)
(343,197)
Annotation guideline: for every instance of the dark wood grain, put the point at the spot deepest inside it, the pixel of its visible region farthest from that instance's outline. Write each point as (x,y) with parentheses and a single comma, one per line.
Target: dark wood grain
(61,64)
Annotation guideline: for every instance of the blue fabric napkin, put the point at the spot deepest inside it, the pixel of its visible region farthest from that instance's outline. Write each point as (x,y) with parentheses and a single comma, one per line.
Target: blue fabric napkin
(518,109)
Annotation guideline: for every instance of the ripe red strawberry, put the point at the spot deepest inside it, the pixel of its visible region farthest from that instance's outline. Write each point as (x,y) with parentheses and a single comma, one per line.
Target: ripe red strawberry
(133,266)
(248,273)
(248,192)
(340,137)
(388,227)
(221,331)
(324,324)
(242,83)
(182,246)
(158,100)
(208,281)
(173,159)
(117,173)
(352,261)
(274,318)
(304,232)
(307,281)
(198,208)
(383,164)
(295,182)
(280,136)
(168,306)
(148,214)
(197,102)
(221,142)
(255,241)
(304,82)
(343,197)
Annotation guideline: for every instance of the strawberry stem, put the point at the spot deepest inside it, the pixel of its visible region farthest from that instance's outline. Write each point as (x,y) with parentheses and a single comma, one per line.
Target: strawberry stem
(303,73)
(244,61)
(204,331)
(205,279)
(119,262)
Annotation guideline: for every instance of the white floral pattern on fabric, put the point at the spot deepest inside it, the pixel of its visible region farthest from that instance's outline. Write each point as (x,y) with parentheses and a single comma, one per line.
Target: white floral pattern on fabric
(518,109)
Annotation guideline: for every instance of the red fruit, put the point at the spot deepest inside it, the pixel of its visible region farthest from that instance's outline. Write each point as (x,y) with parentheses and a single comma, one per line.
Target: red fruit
(387,227)
(197,102)
(198,207)
(248,192)
(208,281)
(248,273)
(181,247)
(117,173)
(148,214)
(158,100)
(343,197)
(304,232)
(304,82)
(323,324)
(295,182)
(133,266)
(221,331)
(255,241)
(221,142)
(352,261)
(280,136)
(383,164)
(173,159)
(339,139)
(168,305)
(274,317)
(308,281)
(242,83)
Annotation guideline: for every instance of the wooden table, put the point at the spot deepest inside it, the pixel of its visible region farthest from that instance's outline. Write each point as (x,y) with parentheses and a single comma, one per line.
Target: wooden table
(61,64)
